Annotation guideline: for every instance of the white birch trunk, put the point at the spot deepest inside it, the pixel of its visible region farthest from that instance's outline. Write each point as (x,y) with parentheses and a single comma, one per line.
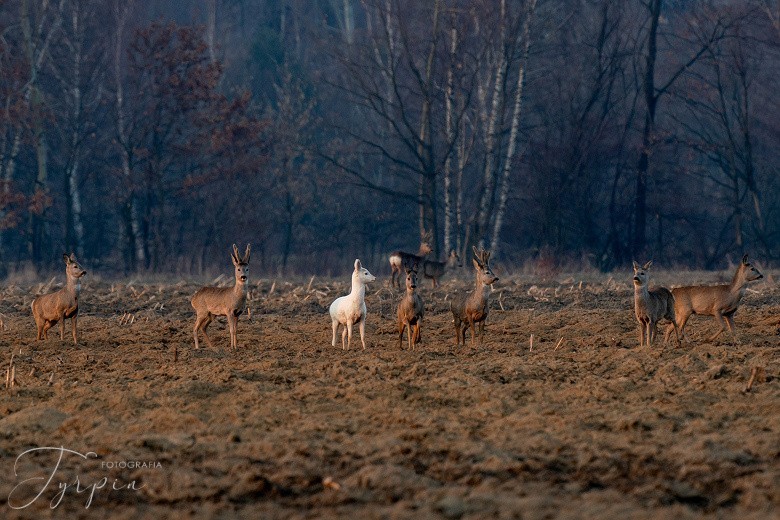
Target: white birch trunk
(486,198)
(510,152)
(448,206)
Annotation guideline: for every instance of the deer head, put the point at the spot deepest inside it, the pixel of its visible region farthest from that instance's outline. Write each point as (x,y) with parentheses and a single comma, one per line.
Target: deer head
(482,266)
(241,264)
(640,273)
(72,267)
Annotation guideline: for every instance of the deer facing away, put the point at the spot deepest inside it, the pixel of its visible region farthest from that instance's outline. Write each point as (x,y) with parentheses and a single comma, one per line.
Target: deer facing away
(410,312)
(350,309)
(58,306)
(720,301)
(650,305)
(434,270)
(472,309)
(400,260)
(222,301)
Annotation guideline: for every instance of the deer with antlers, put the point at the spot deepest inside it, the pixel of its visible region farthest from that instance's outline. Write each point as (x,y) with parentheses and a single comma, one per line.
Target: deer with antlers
(400,260)
(58,306)
(471,310)
(223,301)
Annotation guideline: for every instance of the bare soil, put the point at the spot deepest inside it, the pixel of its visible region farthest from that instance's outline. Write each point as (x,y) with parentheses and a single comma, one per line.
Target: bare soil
(586,424)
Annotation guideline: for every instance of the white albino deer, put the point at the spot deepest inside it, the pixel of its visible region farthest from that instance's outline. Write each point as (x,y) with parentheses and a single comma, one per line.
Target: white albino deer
(222,301)
(472,308)
(399,260)
(410,312)
(650,305)
(58,306)
(720,301)
(350,309)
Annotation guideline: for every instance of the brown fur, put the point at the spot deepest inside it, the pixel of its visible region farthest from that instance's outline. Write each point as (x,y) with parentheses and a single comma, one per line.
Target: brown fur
(410,312)
(650,305)
(222,301)
(472,309)
(434,270)
(56,307)
(719,301)
(400,260)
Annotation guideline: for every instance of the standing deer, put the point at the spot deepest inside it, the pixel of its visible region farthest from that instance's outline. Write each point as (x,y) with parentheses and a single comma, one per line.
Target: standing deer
(410,312)
(434,270)
(350,309)
(400,260)
(650,305)
(58,306)
(222,301)
(720,301)
(472,308)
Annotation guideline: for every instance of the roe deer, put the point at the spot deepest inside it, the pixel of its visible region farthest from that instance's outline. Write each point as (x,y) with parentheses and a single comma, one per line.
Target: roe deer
(650,305)
(410,312)
(435,270)
(400,260)
(222,301)
(473,308)
(350,309)
(51,308)
(720,301)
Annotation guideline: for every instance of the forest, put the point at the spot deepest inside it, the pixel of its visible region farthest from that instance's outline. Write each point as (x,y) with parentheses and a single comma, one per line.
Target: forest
(148,136)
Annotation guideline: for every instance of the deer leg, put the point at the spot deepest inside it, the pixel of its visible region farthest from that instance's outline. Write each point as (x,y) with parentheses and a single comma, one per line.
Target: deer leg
(335,325)
(205,326)
(482,332)
(392,278)
(73,326)
(362,328)
(722,323)
(409,334)
(401,327)
(681,326)
(344,337)
(417,333)
(233,325)
(473,333)
(46,326)
(62,327)
(651,330)
(349,334)
(456,321)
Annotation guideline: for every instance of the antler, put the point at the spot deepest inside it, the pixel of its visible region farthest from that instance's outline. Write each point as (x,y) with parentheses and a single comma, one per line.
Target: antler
(425,237)
(482,256)
(246,253)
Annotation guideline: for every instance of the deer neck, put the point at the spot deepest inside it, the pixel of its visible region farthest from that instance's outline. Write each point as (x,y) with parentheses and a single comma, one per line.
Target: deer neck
(641,292)
(358,289)
(239,290)
(738,283)
(73,286)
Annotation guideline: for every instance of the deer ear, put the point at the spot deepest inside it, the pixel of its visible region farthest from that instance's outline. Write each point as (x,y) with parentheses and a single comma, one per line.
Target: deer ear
(357,264)
(246,253)
(66,258)
(744,260)
(636,266)
(477,265)
(234,255)
(647,265)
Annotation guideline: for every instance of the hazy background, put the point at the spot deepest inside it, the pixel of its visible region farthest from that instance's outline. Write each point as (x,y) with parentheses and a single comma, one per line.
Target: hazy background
(151,135)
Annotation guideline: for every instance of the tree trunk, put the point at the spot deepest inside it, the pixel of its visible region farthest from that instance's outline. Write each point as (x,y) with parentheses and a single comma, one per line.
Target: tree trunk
(448,204)
(515,127)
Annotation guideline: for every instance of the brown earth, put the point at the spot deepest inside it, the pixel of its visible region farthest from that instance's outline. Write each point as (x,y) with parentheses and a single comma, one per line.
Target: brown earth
(584,425)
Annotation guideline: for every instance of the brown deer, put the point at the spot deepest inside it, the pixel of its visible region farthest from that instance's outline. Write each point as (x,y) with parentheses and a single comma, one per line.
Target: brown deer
(410,312)
(650,305)
(720,301)
(58,306)
(222,301)
(434,270)
(472,308)
(400,260)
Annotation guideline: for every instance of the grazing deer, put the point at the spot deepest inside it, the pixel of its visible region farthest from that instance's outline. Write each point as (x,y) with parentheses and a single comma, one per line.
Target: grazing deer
(435,270)
(472,308)
(58,306)
(650,305)
(400,260)
(222,301)
(720,301)
(350,309)
(410,312)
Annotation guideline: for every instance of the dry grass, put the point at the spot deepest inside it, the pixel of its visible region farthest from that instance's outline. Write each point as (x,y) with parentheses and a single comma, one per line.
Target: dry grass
(583,424)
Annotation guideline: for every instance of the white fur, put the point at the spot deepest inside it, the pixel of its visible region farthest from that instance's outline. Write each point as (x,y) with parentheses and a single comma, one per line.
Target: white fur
(350,309)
